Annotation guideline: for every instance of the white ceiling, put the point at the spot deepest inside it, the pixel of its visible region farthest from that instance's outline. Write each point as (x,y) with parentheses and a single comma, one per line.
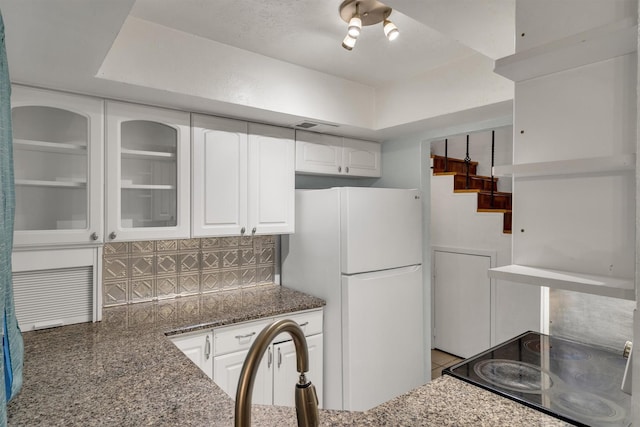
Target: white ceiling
(63,43)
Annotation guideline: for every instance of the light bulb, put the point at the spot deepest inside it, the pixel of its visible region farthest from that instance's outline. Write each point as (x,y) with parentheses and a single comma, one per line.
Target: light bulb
(390,30)
(348,42)
(355,24)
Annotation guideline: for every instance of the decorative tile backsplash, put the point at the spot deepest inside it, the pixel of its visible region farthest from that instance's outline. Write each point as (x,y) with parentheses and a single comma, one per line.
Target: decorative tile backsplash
(149,270)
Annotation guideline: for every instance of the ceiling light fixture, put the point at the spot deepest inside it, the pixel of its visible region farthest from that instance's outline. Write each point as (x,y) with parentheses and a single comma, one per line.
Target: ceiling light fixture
(358,13)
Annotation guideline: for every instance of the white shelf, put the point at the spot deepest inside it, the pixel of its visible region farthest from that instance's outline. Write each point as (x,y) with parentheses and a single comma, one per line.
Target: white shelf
(586,283)
(569,167)
(43,183)
(598,44)
(148,187)
(50,147)
(143,154)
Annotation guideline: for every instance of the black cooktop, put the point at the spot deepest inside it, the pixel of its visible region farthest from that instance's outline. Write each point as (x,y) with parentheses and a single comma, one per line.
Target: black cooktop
(575,382)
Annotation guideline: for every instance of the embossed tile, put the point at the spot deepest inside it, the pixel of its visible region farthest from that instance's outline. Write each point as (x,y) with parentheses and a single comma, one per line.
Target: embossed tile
(210,242)
(210,282)
(188,262)
(144,246)
(246,240)
(189,284)
(231,279)
(142,316)
(248,276)
(188,308)
(166,287)
(267,255)
(264,275)
(141,290)
(229,241)
(166,263)
(166,310)
(188,244)
(230,259)
(247,257)
(115,267)
(141,265)
(268,240)
(114,293)
(116,248)
(210,260)
(166,245)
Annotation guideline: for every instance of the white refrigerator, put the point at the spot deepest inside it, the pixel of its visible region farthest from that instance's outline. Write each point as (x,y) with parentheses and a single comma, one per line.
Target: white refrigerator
(360,249)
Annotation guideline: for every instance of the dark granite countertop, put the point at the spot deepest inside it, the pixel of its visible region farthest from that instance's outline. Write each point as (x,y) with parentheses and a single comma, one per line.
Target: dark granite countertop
(124,371)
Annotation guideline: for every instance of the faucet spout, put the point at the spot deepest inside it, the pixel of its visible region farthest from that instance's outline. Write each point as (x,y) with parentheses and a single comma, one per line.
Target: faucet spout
(305,392)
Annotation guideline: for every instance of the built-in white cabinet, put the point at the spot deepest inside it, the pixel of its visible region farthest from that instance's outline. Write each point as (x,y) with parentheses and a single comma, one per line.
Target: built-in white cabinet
(574,154)
(58,158)
(198,347)
(320,154)
(243,178)
(221,352)
(277,374)
(148,173)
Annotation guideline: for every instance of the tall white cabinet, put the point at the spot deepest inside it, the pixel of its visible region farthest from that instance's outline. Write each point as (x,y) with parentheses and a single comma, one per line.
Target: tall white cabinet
(243,178)
(58,143)
(148,173)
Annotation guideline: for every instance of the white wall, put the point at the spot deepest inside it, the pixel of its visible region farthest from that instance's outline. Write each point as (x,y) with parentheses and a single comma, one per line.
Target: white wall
(461,85)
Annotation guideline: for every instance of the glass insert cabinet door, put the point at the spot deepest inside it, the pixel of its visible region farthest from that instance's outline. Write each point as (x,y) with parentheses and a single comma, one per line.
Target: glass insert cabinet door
(148,184)
(57,145)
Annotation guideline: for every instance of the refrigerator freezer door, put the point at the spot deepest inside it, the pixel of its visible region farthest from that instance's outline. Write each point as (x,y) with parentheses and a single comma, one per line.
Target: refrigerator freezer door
(381,228)
(382,336)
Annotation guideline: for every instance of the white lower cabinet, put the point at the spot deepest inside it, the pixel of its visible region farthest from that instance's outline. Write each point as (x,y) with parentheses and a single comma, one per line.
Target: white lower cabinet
(221,352)
(198,348)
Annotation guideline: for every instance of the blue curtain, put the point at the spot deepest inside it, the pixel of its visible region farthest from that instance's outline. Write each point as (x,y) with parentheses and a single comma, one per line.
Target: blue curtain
(12,345)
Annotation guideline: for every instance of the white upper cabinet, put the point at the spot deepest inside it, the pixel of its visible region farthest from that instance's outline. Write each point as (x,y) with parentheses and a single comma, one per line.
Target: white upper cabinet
(58,143)
(148,173)
(271,180)
(320,154)
(361,158)
(243,178)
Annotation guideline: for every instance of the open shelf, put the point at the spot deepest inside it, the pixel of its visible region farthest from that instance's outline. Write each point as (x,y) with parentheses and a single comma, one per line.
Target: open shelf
(143,154)
(598,44)
(50,147)
(43,183)
(569,167)
(586,283)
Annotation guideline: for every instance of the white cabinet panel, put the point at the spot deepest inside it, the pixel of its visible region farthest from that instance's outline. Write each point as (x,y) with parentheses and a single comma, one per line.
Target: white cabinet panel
(361,158)
(462,303)
(243,178)
(198,348)
(285,374)
(271,180)
(219,176)
(148,173)
(58,158)
(320,154)
(227,370)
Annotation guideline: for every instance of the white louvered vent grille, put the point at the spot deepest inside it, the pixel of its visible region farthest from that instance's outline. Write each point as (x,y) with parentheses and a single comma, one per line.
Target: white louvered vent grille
(48,298)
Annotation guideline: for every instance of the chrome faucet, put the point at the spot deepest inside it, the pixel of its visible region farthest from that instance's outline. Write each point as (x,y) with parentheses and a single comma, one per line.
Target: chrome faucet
(306,397)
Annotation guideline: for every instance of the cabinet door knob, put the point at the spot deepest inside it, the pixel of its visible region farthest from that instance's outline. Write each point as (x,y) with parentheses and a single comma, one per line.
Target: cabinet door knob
(346,169)
(339,168)
(279,357)
(253,231)
(242,230)
(112,235)
(94,236)
(270,358)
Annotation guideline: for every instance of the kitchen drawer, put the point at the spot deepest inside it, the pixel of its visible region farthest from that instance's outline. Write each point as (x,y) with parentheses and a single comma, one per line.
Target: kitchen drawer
(310,322)
(237,337)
